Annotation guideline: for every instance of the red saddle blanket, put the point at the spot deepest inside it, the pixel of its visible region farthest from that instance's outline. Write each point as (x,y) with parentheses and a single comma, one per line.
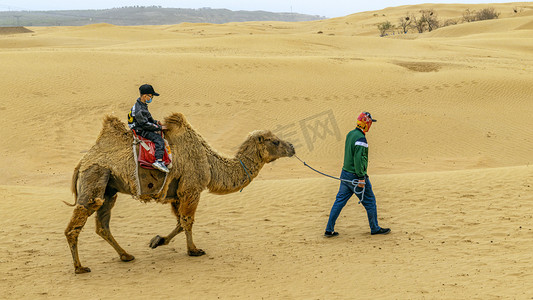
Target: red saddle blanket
(146,152)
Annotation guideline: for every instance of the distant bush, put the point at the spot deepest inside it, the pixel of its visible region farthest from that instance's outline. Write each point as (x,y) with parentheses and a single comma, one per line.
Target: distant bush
(484,14)
(384,27)
(469,15)
(419,24)
(426,21)
(405,23)
(517,10)
(430,18)
(487,14)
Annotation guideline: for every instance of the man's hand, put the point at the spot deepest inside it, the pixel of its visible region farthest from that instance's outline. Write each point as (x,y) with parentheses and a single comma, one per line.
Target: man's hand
(361,183)
(163,127)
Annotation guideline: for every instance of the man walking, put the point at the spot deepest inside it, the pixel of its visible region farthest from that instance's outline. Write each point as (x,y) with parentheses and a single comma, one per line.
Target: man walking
(354,168)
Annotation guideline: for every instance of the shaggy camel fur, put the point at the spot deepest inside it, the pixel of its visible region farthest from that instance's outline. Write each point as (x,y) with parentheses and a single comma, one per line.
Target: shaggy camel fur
(108,168)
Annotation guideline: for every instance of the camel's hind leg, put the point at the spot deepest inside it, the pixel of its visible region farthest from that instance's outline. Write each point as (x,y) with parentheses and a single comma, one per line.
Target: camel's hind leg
(79,217)
(164,240)
(93,182)
(103,215)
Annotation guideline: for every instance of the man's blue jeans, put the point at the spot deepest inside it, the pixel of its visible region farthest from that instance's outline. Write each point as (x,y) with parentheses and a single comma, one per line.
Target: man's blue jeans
(346,190)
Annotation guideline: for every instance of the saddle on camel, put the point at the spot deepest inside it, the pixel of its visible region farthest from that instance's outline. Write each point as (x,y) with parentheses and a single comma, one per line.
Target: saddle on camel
(145,152)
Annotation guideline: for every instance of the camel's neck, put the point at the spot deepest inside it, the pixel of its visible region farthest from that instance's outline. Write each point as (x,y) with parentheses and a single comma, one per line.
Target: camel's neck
(228,175)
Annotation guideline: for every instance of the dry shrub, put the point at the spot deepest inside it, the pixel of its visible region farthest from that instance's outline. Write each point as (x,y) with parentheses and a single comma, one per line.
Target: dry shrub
(405,23)
(487,14)
(384,27)
(469,15)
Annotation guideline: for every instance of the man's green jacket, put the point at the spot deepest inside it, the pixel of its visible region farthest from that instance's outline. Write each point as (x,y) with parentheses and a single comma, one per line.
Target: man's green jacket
(356,153)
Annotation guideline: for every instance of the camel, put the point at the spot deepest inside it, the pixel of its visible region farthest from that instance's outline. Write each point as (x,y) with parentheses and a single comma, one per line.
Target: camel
(108,168)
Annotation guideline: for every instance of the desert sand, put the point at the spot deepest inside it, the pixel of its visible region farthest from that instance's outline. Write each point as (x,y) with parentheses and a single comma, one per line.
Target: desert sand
(450,158)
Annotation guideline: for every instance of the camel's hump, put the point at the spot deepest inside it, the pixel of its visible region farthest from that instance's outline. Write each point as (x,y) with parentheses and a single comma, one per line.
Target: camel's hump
(176,119)
(115,124)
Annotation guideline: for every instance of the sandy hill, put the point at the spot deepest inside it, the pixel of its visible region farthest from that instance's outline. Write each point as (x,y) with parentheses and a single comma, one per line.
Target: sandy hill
(449,157)
(143,15)
(14,30)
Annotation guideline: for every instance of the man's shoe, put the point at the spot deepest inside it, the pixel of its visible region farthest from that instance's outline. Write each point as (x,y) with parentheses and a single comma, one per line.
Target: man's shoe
(160,166)
(381,231)
(331,234)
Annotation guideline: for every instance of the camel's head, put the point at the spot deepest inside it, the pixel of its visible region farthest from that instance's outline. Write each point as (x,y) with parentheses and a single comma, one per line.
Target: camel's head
(270,146)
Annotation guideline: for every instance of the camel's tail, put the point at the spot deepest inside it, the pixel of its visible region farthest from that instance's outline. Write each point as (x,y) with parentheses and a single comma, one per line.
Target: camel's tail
(74,185)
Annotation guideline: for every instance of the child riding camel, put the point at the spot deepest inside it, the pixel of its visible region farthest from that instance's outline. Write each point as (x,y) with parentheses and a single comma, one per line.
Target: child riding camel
(140,120)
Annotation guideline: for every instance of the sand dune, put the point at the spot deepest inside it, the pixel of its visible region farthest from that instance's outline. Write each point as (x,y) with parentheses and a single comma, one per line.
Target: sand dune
(449,160)
(484,28)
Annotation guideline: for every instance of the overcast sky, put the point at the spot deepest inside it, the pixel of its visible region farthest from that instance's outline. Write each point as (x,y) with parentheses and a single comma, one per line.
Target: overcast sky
(327,8)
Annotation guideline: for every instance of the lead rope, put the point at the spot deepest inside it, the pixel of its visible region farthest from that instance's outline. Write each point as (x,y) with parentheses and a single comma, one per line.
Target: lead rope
(353,182)
(244,167)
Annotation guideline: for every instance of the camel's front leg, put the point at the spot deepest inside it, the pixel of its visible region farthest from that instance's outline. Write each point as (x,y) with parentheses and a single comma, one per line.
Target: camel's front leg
(187,210)
(160,240)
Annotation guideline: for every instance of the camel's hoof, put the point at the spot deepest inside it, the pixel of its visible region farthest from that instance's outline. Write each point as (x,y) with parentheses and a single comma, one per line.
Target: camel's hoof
(127,257)
(157,241)
(81,270)
(197,252)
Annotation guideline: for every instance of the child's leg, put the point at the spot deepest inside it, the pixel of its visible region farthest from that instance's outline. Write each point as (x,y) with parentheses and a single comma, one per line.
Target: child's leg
(158,142)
